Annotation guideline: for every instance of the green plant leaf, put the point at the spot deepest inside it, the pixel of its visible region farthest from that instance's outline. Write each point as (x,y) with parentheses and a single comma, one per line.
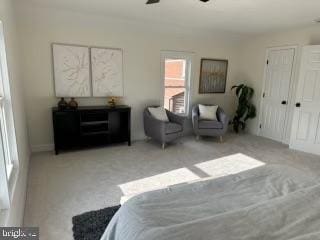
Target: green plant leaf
(250,93)
(239,89)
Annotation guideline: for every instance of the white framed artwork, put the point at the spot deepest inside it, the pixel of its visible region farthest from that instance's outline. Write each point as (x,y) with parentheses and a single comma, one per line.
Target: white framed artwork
(107,72)
(71,66)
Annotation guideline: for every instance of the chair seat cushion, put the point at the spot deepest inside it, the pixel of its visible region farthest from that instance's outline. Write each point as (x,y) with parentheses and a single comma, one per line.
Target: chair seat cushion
(173,128)
(204,124)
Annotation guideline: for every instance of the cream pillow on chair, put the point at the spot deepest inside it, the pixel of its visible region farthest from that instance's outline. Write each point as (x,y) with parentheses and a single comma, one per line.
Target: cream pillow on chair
(208,112)
(159,113)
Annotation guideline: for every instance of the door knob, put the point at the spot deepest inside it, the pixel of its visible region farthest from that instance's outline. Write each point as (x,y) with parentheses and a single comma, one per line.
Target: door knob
(284,102)
(298,104)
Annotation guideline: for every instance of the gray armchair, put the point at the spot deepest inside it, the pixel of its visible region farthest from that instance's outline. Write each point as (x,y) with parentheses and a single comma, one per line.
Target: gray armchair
(163,132)
(209,127)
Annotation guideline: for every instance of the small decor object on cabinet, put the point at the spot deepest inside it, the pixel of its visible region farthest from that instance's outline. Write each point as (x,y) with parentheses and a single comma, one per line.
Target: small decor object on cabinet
(73,104)
(71,66)
(112,101)
(62,104)
(107,75)
(213,76)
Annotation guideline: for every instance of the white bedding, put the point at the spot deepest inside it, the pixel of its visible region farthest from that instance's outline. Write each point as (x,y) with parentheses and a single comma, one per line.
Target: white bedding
(271,202)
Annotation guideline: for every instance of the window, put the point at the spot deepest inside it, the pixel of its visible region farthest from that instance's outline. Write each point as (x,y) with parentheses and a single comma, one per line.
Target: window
(8,146)
(176,74)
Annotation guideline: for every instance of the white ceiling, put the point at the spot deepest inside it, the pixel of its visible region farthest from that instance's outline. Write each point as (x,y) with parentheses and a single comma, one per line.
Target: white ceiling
(243,16)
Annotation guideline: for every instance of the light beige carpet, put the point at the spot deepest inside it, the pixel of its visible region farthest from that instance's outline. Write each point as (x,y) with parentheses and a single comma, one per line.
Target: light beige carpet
(69,184)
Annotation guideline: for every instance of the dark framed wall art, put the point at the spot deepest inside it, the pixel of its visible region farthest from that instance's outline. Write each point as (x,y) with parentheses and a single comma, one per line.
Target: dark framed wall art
(213,75)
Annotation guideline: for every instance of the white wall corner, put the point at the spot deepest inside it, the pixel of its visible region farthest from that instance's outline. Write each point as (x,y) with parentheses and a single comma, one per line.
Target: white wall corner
(42,148)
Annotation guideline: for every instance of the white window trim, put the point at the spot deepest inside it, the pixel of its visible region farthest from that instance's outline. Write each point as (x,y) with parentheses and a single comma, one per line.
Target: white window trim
(5,139)
(175,78)
(189,56)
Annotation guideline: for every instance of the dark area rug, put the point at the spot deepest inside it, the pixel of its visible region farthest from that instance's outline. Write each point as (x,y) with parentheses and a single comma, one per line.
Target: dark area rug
(91,225)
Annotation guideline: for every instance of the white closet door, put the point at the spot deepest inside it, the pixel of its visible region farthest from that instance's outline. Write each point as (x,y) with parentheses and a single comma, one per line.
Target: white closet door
(276,93)
(305,134)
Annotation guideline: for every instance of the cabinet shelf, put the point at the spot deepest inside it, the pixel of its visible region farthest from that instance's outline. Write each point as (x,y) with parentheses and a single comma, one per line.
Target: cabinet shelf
(93,123)
(94,133)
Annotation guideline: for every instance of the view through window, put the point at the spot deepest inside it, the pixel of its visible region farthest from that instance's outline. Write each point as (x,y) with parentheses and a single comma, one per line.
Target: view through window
(175,91)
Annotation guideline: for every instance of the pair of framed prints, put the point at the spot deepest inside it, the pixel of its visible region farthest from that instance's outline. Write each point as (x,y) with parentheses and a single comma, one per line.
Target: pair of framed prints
(82,71)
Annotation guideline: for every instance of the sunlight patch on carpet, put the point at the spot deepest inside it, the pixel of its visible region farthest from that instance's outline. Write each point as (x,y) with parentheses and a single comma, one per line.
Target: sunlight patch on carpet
(162,180)
(228,165)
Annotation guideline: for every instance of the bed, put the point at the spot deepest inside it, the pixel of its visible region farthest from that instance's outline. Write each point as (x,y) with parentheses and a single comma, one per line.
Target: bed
(270,202)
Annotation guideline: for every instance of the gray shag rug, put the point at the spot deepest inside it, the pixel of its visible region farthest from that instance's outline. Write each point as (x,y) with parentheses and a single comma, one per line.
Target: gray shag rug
(91,225)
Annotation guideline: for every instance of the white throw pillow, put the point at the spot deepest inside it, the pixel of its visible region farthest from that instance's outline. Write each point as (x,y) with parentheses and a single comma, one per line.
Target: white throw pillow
(208,112)
(159,113)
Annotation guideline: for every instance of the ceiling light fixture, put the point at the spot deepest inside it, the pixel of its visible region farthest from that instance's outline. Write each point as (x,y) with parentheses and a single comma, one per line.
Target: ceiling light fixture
(157,1)
(152,1)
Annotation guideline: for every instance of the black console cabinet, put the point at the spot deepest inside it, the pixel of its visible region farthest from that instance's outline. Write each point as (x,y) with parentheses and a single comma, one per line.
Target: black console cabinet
(90,127)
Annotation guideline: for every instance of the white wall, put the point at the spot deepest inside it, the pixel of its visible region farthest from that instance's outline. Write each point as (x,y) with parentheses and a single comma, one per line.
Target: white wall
(253,54)
(14,216)
(141,42)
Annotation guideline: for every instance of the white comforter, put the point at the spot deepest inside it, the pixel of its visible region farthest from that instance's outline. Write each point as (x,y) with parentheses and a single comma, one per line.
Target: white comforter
(271,202)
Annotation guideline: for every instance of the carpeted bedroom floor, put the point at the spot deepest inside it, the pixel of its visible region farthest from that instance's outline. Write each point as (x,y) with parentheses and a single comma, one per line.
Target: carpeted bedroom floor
(60,187)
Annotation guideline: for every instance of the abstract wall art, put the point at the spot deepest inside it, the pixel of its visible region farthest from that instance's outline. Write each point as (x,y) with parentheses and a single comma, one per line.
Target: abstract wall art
(71,67)
(107,72)
(213,76)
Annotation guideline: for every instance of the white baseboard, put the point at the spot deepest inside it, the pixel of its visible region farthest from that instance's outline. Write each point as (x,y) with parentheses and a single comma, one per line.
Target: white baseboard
(50,147)
(42,148)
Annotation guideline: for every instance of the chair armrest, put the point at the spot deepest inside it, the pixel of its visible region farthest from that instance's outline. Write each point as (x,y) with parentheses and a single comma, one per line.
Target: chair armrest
(195,117)
(153,127)
(176,118)
(223,117)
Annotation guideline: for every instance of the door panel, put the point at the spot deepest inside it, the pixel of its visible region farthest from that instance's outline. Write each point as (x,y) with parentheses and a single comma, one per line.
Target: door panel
(67,128)
(310,84)
(304,123)
(305,128)
(276,90)
(315,56)
(318,131)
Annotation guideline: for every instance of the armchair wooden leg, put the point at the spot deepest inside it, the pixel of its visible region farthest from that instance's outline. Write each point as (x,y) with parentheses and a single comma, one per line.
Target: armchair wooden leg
(163,145)
(221,139)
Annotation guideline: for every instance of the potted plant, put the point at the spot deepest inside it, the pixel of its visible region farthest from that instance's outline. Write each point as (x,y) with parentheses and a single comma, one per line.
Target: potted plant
(246,110)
